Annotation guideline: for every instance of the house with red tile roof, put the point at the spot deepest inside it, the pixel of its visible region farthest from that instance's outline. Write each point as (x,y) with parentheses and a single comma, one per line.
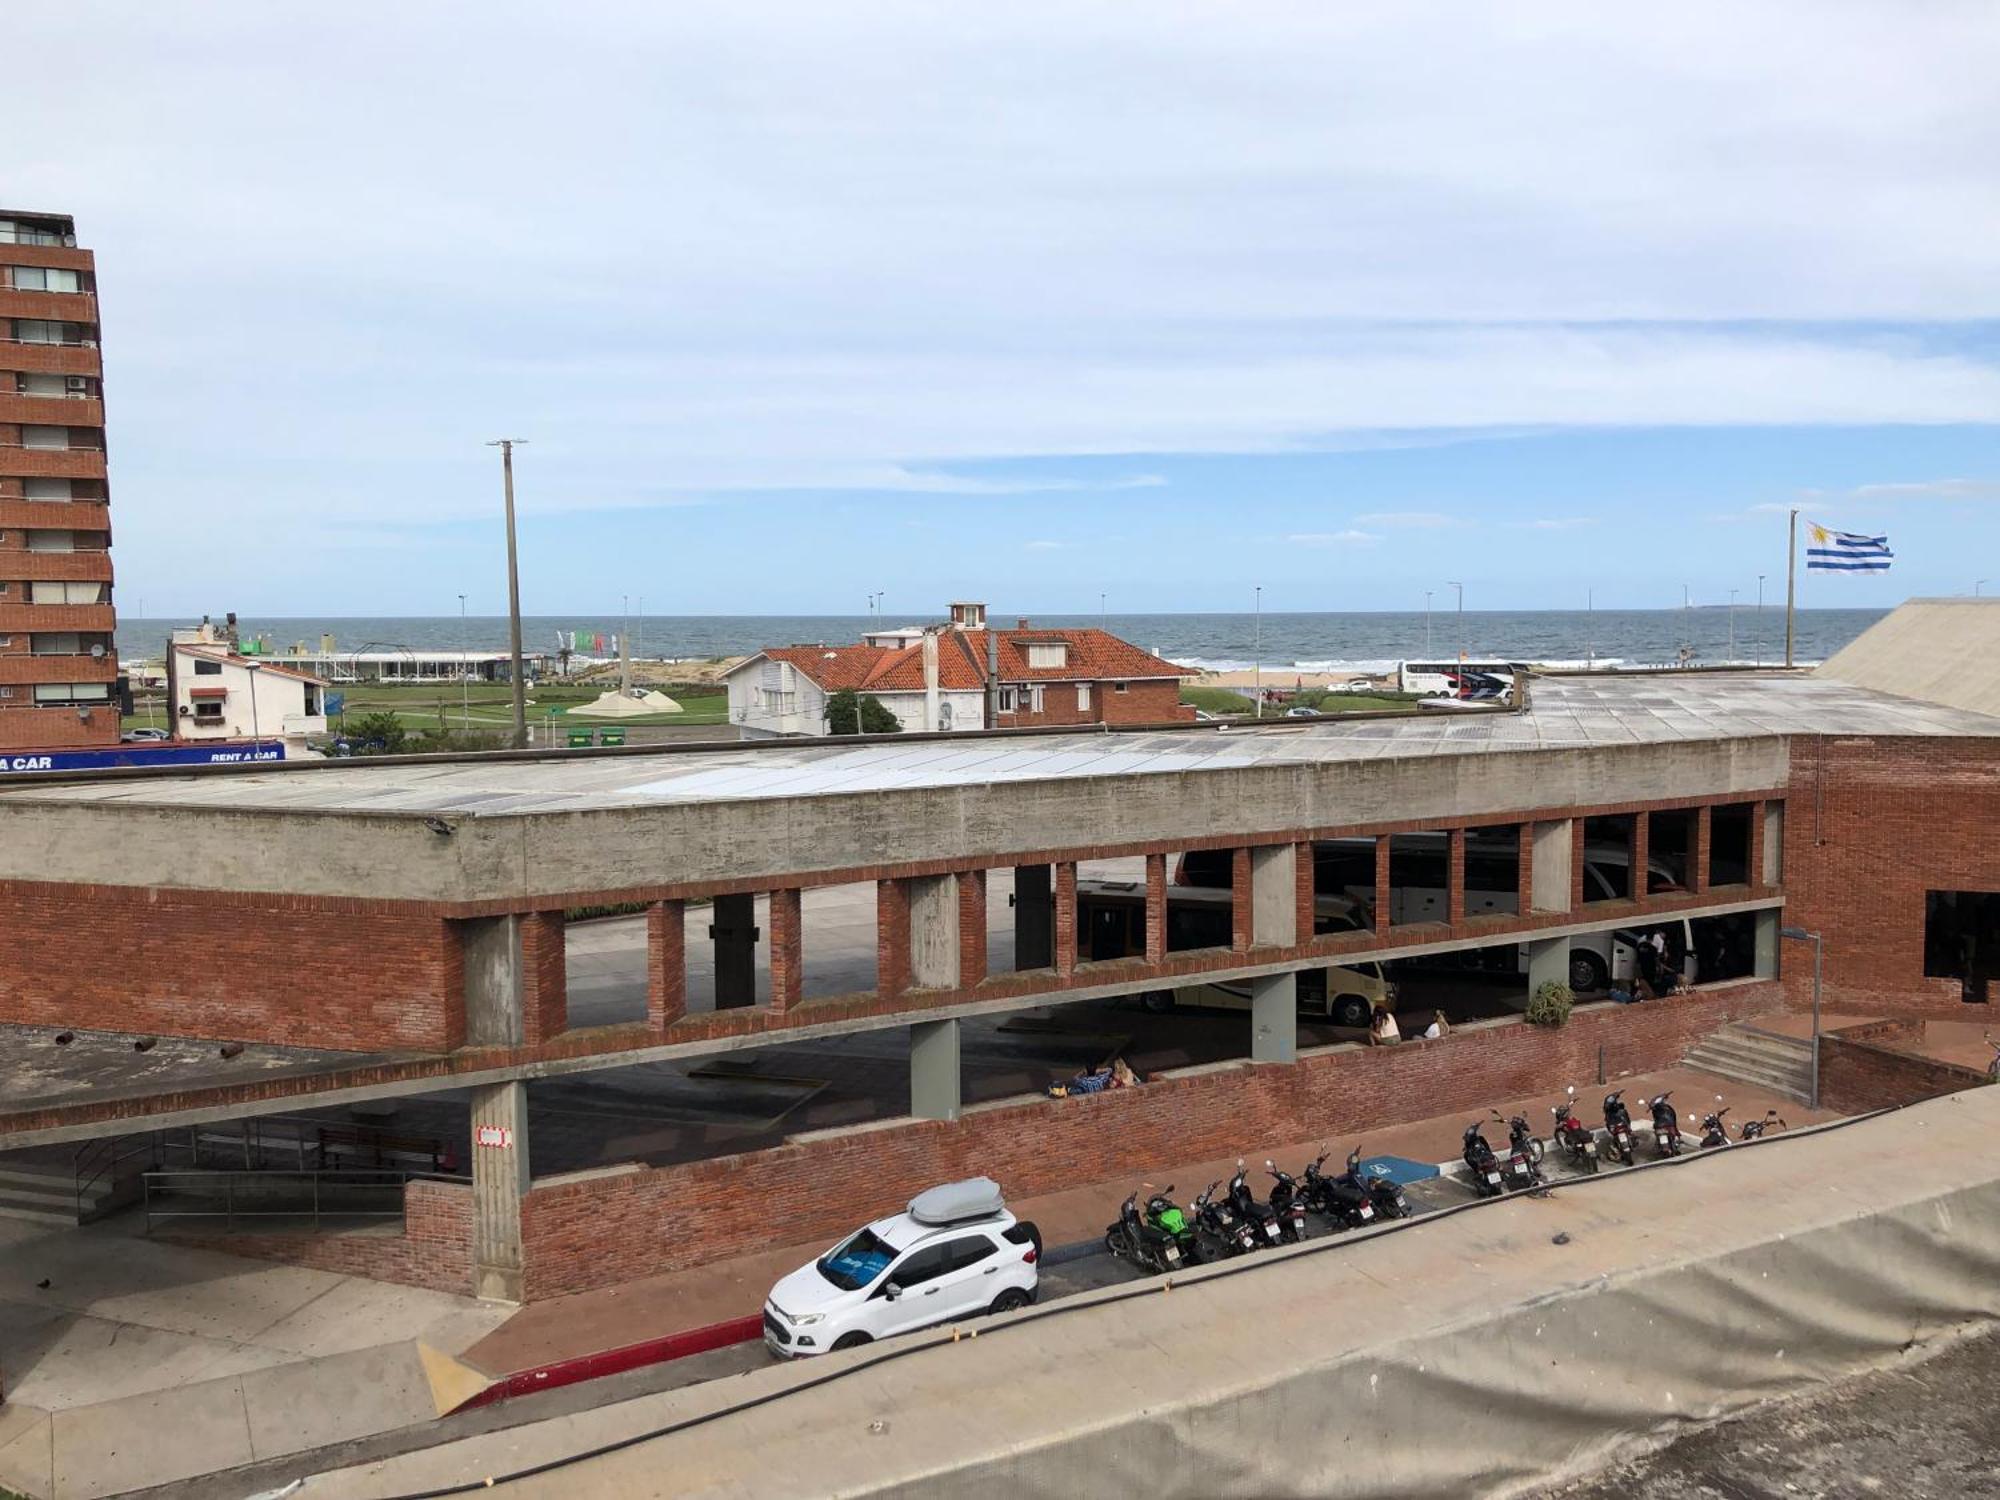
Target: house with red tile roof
(960,675)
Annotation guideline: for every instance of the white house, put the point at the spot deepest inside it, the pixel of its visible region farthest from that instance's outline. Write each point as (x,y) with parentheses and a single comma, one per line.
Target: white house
(220,694)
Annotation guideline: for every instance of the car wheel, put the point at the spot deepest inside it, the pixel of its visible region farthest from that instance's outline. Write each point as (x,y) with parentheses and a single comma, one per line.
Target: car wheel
(1011,1300)
(1353,1011)
(851,1341)
(1157,1002)
(1586,971)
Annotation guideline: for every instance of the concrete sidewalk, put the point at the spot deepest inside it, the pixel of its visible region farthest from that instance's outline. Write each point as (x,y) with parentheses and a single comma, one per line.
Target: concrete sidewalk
(568,1327)
(140,1361)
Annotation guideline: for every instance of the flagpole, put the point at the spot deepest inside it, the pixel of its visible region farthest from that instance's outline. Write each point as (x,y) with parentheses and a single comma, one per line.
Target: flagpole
(1791,584)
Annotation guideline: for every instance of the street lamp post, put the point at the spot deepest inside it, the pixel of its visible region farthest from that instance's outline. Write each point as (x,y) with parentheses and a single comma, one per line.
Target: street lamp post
(255,736)
(506,447)
(1800,935)
(1257,653)
(1732,625)
(1760,619)
(464,668)
(1427,622)
(1454,583)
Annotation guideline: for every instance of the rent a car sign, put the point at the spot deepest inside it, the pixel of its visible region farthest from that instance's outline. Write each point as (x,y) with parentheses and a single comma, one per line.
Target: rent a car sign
(126,756)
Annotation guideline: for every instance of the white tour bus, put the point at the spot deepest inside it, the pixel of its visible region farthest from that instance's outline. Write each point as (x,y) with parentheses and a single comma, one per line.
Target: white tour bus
(1111,924)
(1347,866)
(1457,679)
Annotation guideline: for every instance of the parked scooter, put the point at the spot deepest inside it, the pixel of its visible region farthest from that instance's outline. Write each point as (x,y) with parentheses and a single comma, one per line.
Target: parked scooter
(1754,1130)
(1261,1217)
(1385,1194)
(1165,1215)
(1713,1131)
(1348,1203)
(1575,1137)
(1666,1126)
(1287,1202)
(1524,1154)
(1133,1239)
(1220,1226)
(1484,1164)
(1618,1128)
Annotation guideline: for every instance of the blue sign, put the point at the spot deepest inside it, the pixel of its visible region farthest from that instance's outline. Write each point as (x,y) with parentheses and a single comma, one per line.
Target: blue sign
(22,762)
(1398,1169)
(334,703)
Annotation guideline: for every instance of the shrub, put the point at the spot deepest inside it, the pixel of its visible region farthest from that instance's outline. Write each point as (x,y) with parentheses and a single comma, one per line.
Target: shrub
(1550,1004)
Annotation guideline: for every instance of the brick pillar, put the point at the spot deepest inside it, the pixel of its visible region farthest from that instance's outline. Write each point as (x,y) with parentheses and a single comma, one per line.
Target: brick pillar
(1304,892)
(1156,908)
(666,963)
(1698,848)
(1575,863)
(1524,868)
(971,928)
(787,950)
(1642,854)
(1065,919)
(892,939)
(544,968)
(1454,889)
(1241,920)
(1382,896)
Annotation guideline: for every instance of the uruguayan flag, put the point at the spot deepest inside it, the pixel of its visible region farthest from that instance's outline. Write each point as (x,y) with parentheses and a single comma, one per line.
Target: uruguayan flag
(1845,552)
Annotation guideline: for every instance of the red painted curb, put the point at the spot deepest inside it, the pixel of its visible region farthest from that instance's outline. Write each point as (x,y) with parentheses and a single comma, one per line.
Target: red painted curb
(615,1361)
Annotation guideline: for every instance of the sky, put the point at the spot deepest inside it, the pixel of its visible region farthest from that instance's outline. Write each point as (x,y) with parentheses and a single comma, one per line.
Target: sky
(796,303)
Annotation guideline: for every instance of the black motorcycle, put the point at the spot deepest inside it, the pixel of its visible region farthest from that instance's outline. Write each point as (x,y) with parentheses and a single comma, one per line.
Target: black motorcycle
(1713,1132)
(1144,1245)
(1667,1139)
(1524,1155)
(1385,1195)
(1618,1128)
(1483,1164)
(1346,1203)
(1755,1130)
(1261,1217)
(1219,1225)
(1287,1202)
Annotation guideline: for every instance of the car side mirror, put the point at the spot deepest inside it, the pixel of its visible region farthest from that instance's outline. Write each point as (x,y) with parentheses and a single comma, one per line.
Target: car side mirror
(891,1292)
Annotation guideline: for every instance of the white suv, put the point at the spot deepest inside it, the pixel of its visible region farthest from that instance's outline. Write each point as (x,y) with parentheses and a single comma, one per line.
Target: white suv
(956,1253)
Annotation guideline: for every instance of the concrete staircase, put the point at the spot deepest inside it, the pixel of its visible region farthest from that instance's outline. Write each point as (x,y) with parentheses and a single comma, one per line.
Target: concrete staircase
(41,1188)
(1782,1064)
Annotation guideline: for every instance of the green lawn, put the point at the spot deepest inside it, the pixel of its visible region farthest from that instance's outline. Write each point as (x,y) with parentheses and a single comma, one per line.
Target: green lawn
(1214,700)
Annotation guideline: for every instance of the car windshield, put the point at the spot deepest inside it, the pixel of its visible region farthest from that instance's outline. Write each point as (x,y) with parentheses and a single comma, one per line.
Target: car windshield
(856,1261)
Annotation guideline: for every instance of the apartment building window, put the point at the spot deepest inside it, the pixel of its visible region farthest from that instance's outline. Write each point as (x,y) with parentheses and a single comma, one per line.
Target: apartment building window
(1083,696)
(72,387)
(46,331)
(45,279)
(208,711)
(50,540)
(1006,700)
(81,694)
(1048,654)
(45,437)
(48,489)
(56,643)
(58,591)
(205,668)
(13,232)
(1119,687)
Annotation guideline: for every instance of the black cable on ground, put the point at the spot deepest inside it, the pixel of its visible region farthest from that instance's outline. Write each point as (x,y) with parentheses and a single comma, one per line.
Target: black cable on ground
(1234,1267)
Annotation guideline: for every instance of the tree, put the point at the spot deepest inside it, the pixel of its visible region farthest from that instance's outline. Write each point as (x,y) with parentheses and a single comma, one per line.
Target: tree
(849,712)
(379,733)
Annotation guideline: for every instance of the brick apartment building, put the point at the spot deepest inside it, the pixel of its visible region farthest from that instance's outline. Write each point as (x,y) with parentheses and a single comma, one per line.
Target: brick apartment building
(58,655)
(980,678)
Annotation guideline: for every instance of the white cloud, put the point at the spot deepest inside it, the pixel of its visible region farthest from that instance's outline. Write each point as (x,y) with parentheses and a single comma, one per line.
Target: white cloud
(1926,489)
(1415,520)
(1046,546)
(1559,523)
(1333,538)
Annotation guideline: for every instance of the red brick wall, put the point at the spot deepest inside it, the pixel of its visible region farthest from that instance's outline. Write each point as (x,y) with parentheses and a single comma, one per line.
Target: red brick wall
(1140,703)
(1856,1076)
(434,1250)
(606,1229)
(202,964)
(1870,826)
(545,970)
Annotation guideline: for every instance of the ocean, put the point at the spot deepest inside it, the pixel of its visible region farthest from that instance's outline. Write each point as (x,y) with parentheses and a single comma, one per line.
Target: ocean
(1329,642)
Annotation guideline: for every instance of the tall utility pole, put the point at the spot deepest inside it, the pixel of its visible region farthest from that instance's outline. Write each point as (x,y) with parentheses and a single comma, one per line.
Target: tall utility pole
(1760,619)
(1257,653)
(1589,627)
(464,670)
(1427,622)
(506,447)
(1452,583)
(1732,625)
(1791,584)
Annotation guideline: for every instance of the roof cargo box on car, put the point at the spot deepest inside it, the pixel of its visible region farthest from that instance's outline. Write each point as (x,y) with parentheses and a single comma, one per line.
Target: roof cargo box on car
(957,1202)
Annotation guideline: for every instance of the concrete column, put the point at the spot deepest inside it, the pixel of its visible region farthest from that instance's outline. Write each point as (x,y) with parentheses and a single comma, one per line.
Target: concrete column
(1642,854)
(1274,1018)
(1384,893)
(1771,843)
(1454,878)
(1274,895)
(1698,845)
(1034,918)
(1065,945)
(666,963)
(495,980)
(1548,959)
(1765,963)
(933,931)
(971,928)
(787,949)
(934,1070)
(734,931)
(1156,908)
(1551,886)
(499,1182)
(892,938)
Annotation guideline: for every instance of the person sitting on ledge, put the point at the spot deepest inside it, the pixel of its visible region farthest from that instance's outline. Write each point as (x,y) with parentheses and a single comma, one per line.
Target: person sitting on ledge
(1116,1074)
(1382,1030)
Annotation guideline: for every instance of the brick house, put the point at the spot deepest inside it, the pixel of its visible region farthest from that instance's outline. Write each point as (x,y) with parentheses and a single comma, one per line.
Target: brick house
(960,675)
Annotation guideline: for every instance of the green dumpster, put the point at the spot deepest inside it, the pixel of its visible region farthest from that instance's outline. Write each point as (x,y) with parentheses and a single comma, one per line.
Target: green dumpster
(614,736)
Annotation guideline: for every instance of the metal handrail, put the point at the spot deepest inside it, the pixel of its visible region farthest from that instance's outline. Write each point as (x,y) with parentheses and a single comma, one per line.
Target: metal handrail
(48,343)
(381,1177)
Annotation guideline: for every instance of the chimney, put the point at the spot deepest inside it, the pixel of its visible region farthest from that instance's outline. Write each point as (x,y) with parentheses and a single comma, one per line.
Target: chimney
(968,616)
(930,682)
(1021,624)
(992,680)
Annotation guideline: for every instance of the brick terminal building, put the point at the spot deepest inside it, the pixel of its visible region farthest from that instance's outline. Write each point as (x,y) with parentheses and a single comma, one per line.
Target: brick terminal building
(407,921)
(58,656)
